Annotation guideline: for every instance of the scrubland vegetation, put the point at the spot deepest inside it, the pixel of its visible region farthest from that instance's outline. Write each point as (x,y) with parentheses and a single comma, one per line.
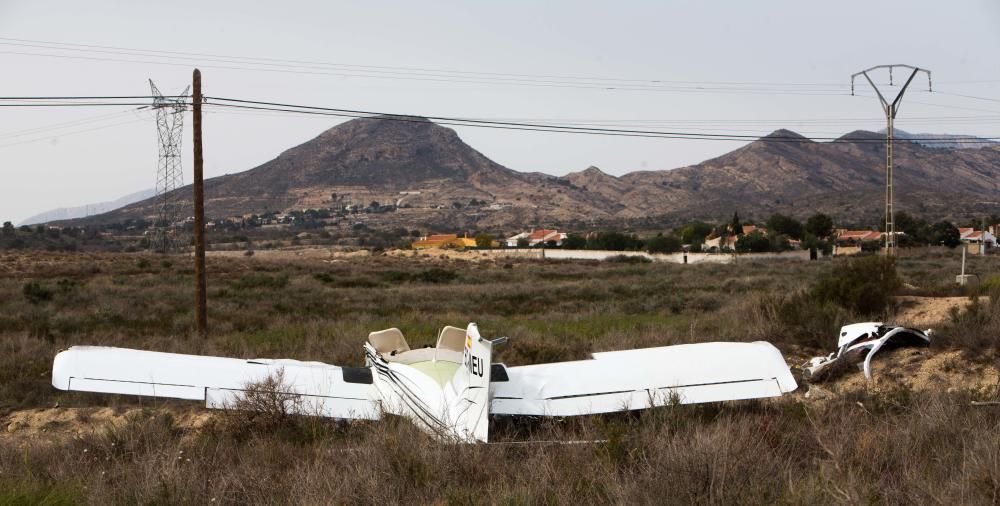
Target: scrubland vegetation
(870,446)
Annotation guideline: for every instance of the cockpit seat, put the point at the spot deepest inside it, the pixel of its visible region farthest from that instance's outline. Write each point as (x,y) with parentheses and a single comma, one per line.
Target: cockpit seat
(451,338)
(392,346)
(388,342)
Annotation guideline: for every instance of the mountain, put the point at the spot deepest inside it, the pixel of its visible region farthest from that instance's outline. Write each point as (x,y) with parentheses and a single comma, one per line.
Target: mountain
(67,213)
(945,141)
(406,161)
(440,182)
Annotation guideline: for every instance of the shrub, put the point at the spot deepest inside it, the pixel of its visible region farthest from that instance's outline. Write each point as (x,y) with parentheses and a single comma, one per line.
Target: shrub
(267,409)
(863,285)
(436,275)
(628,259)
(33,491)
(975,329)
(66,286)
(484,241)
(36,293)
(991,283)
(663,244)
(754,242)
(251,281)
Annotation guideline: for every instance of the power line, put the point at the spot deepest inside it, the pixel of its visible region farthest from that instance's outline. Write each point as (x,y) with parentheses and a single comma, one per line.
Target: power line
(72,104)
(587,127)
(374,68)
(85,97)
(67,100)
(654,86)
(988,99)
(506,125)
(65,124)
(65,134)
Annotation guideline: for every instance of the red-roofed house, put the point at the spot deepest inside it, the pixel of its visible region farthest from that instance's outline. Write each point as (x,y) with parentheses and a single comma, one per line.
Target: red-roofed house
(977,240)
(848,242)
(715,243)
(535,237)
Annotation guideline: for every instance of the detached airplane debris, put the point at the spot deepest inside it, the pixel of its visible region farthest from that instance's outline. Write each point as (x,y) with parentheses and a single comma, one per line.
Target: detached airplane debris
(448,390)
(864,340)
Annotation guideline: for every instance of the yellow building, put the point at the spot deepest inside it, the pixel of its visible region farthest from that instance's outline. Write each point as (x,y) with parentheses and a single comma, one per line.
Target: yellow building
(444,241)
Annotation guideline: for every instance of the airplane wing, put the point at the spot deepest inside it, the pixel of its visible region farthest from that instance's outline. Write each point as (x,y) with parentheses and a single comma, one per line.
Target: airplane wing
(325,390)
(642,378)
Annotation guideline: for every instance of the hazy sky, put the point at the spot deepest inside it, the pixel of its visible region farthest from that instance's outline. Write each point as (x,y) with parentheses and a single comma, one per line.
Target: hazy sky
(64,157)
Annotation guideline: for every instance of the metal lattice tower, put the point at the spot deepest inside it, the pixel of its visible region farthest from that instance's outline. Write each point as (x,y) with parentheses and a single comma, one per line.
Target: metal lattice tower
(169,176)
(890,109)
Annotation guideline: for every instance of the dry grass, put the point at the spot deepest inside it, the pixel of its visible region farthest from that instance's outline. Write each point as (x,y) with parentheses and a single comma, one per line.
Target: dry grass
(887,447)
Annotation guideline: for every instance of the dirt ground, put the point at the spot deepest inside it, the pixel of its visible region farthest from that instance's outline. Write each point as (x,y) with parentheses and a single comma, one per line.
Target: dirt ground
(438,253)
(925,312)
(300,253)
(916,369)
(56,423)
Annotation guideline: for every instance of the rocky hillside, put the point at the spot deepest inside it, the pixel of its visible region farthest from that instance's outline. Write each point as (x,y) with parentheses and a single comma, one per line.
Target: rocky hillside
(432,176)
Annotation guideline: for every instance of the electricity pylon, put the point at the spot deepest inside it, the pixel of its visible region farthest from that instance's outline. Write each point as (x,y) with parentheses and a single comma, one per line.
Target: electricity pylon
(890,109)
(169,176)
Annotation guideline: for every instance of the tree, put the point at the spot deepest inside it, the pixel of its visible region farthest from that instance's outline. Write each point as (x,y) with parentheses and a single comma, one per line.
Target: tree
(864,285)
(614,241)
(484,241)
(522,242)
(574,241)
(943,232)
(694,232)
(778,242)
(810,242)
(736,225)
(8,228)
(754,242)
(819,225)
(780,224)
(663,244)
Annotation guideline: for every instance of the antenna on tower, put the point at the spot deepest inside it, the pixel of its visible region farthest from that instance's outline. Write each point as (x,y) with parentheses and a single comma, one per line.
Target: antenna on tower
(169,176)
(890,109)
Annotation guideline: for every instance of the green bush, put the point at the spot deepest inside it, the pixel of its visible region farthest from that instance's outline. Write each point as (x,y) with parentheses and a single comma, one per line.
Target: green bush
(991,283)
(36,293)
(432,275)
(663,244)
(754,242)
(863,285)
(32,491)
(435,275)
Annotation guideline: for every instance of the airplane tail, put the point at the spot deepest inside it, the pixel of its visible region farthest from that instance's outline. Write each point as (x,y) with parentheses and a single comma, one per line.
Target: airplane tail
(468,393)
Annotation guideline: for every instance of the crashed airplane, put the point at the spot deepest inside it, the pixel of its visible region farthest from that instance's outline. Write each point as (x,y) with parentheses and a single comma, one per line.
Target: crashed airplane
(859,342)
(449,390)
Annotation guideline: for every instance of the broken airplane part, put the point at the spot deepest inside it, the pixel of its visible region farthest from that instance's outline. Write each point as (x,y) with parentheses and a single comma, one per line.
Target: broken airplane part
(859,342)
(449,390)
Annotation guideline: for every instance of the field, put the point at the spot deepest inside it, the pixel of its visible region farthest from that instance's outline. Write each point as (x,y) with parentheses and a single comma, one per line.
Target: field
(911,436)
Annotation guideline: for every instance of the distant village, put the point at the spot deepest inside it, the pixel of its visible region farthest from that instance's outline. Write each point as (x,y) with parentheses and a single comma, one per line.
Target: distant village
(350,226)
(748,239)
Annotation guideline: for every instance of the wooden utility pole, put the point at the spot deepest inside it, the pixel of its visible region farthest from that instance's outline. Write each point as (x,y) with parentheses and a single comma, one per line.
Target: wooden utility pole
(201,317)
